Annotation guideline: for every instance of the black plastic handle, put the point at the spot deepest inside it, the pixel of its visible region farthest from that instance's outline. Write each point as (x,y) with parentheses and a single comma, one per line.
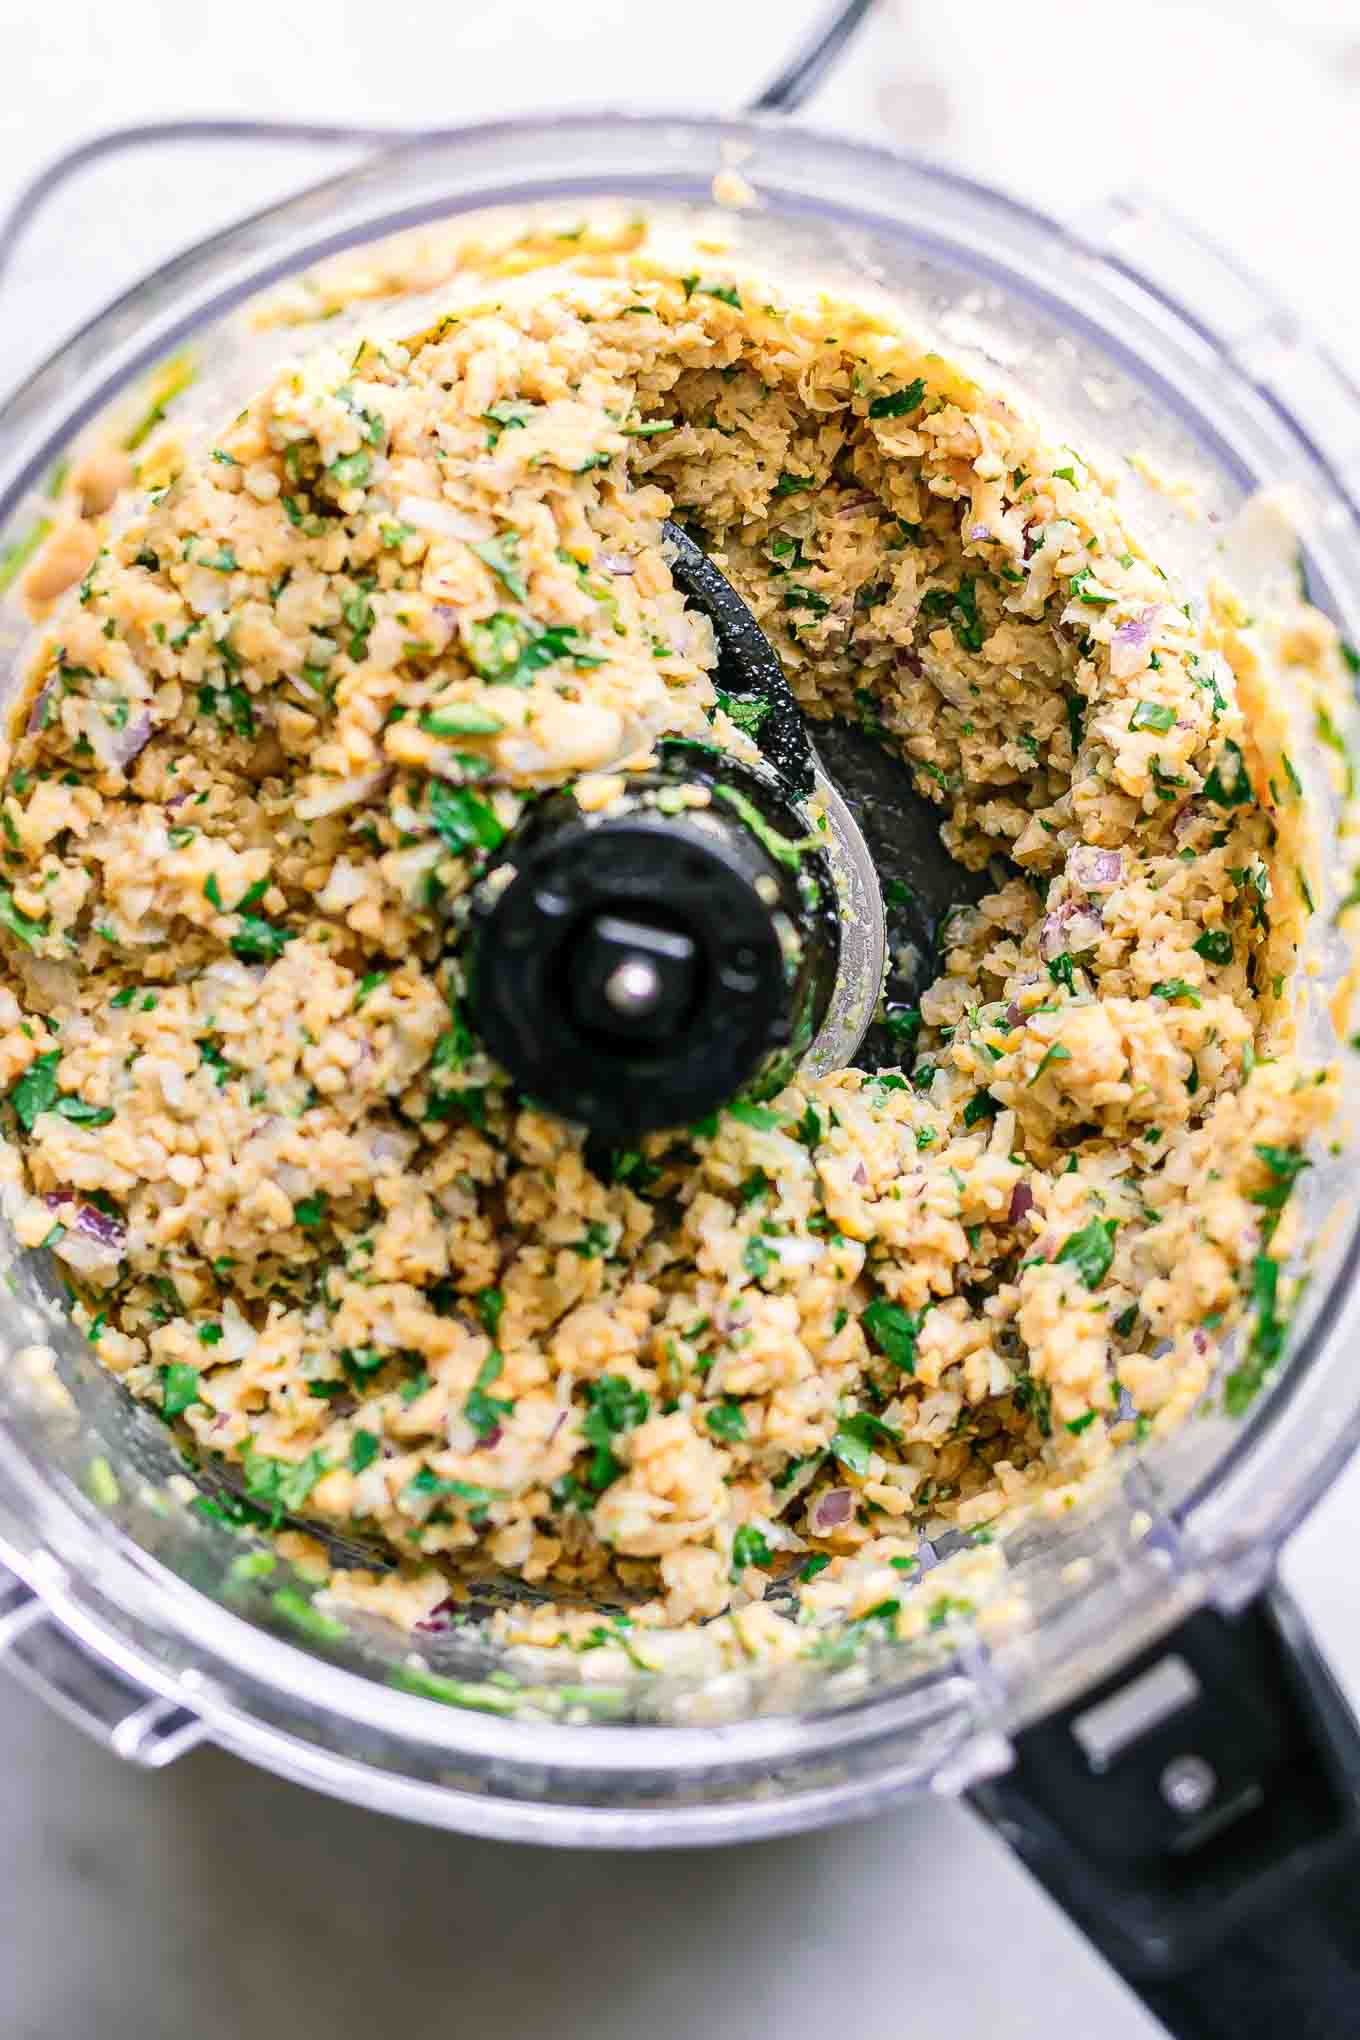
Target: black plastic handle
(1198,1816)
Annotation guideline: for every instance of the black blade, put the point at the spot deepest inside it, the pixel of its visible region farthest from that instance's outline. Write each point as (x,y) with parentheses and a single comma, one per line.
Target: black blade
(747,664)
(920,882)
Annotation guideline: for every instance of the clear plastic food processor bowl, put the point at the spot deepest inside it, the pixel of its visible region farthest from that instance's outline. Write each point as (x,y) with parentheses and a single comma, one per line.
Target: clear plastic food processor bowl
(129,1611)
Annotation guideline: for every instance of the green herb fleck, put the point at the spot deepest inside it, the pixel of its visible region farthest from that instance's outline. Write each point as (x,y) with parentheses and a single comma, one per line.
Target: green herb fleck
(615,1405)
(749,1547)
(855,1439)
(899,403)
(1058,1053)
(727,1421)
(36,1090)
(364,1448)
(894,1331)
(1229,784)
(179,1388)
(1214,945)
(1091,1250)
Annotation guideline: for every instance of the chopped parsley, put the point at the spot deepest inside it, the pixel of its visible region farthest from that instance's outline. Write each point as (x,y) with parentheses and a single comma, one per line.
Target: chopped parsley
(427,1485)
(36,1090)
(615,1405)
(364,1448)
(1266,1345)
(460,719)
(1091,1250)
(507,650)
(894,1331)
(784,849)
(726,1420)
(1058,1053)
(1229,784)
(260,941)
(1214,945)
(179,1388)
(856,1438)
(899,403)
(463,821)
(1176,988)
(81,1113)
(29,932)
(746,711)
(280,1485)
(758,1257)
(501,555)
(758,1116)
(749,1547)
(486,1412)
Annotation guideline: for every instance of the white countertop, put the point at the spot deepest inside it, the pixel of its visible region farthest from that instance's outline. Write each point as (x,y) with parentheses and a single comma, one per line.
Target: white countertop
(210,1899)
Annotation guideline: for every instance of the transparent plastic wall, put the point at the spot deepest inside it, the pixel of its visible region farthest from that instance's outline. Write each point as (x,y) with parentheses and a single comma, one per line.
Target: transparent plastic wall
(146,1624)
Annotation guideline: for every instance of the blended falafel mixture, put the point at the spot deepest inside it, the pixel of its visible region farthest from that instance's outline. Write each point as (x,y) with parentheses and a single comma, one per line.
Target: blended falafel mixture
(313,669)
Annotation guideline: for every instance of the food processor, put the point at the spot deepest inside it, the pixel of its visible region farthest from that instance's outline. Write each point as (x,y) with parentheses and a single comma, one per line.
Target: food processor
(1153,1730)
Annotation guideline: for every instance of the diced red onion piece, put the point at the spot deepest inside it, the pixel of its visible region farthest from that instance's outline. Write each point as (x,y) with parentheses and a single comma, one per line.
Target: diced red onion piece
(95,1224)
(98,1225)
(115,749)
(1138,629)
(94,1245)
(1022,1203)
(1052,940)
(831,1510)
(1128,646)
(1092,869)
(618,563)
(134,739)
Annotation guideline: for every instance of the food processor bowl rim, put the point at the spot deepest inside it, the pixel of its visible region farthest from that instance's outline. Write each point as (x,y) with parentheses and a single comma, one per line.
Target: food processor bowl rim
(127,1575)
(689,183)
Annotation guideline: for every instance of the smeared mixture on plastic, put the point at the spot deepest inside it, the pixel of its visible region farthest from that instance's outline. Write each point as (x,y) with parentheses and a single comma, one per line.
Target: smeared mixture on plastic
(289,703)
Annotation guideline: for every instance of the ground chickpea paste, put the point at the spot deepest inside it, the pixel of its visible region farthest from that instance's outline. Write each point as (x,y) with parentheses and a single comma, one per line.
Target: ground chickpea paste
(312,670)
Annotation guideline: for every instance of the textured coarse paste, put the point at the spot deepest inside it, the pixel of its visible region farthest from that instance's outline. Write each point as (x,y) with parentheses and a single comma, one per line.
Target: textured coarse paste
(305,673)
